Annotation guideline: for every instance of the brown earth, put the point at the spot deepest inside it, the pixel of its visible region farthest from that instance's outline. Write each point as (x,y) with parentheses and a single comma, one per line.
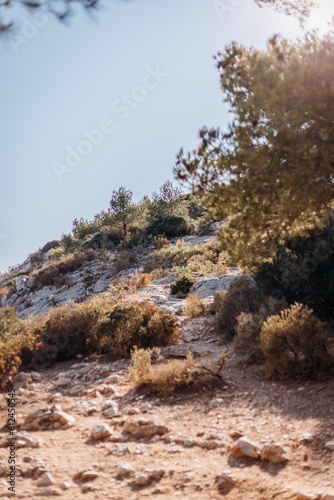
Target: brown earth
(201,429)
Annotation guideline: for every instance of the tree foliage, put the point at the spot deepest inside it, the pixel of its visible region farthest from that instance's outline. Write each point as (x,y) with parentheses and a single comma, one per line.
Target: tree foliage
(122,209)
(270,175)
(11,10)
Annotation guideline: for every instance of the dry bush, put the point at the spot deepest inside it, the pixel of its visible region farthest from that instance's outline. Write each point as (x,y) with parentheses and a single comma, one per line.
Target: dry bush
(66,330)
(15,339)
(56,273)
(242,296)
(247,338)
(56,253)
(142,280)
(125,259)
(4,292)
(294,345)
(132,324)
(119,288)
(171,376)
(10,361)
(201,259)
(163,378)
(194,307)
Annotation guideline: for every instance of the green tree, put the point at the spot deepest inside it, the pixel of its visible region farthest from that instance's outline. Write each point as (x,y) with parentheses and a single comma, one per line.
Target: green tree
(166,202)
(122,209)
(270,175)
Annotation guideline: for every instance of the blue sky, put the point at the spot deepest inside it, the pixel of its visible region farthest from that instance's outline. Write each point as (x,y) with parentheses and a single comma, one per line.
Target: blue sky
(142,74)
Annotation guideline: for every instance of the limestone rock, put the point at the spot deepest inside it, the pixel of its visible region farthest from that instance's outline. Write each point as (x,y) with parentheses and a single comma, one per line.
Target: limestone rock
(47,418)
(225,479)
(45,480)
(245,448)
(110,409)
(62,382)
(273,453)
(330,445)
(123,470)
(101,431)
(86,475)
(207,287)
(144,428)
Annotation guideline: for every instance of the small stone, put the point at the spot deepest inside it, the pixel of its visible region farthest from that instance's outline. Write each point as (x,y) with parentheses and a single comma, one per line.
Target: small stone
(113,379)
(273,453)
(123,470)
(145,407)
(20,378)
(65,485)
(330,445)
(143,428)
(226,479)
(36,377)
(189,443)
(45,480)
(86,475)
(307,496)
(111,411)
(101,431)
(209,445)
(245,448)
(215,402)
(142,481)
(62,382)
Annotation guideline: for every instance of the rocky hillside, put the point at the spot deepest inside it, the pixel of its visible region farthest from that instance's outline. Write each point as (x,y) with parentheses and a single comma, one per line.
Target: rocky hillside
(83,429)
(24,287)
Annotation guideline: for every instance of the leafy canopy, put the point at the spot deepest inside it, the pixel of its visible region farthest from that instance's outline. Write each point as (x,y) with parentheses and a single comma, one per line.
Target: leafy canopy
(270,175)
(11,11)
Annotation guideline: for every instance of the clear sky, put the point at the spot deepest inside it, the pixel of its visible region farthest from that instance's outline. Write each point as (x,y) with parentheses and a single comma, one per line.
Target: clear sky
(142,73)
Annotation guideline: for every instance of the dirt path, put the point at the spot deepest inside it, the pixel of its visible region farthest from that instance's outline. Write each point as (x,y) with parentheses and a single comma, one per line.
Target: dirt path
(193,446)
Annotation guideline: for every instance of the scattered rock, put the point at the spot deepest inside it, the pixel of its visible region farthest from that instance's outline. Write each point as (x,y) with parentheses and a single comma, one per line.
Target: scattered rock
(330,445)
(101,431)
(273,453)
(48,418)
(45,480)
(62,382)
(144,428)
(225,479)
(245,448)
(123,470)
(86,475)
(215,402)
(66,485)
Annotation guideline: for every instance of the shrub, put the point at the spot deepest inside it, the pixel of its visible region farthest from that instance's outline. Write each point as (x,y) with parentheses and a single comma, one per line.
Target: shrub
(142,280)
(303,271)
(15,340)
(294,345)
(66,330)
(182,286)
(163,378)
(170,376)
(56,253)
(132,324)
(170,226)
(242,296)
(247,338)
(125,259)
(4,291)
(194,307)
(56,273)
